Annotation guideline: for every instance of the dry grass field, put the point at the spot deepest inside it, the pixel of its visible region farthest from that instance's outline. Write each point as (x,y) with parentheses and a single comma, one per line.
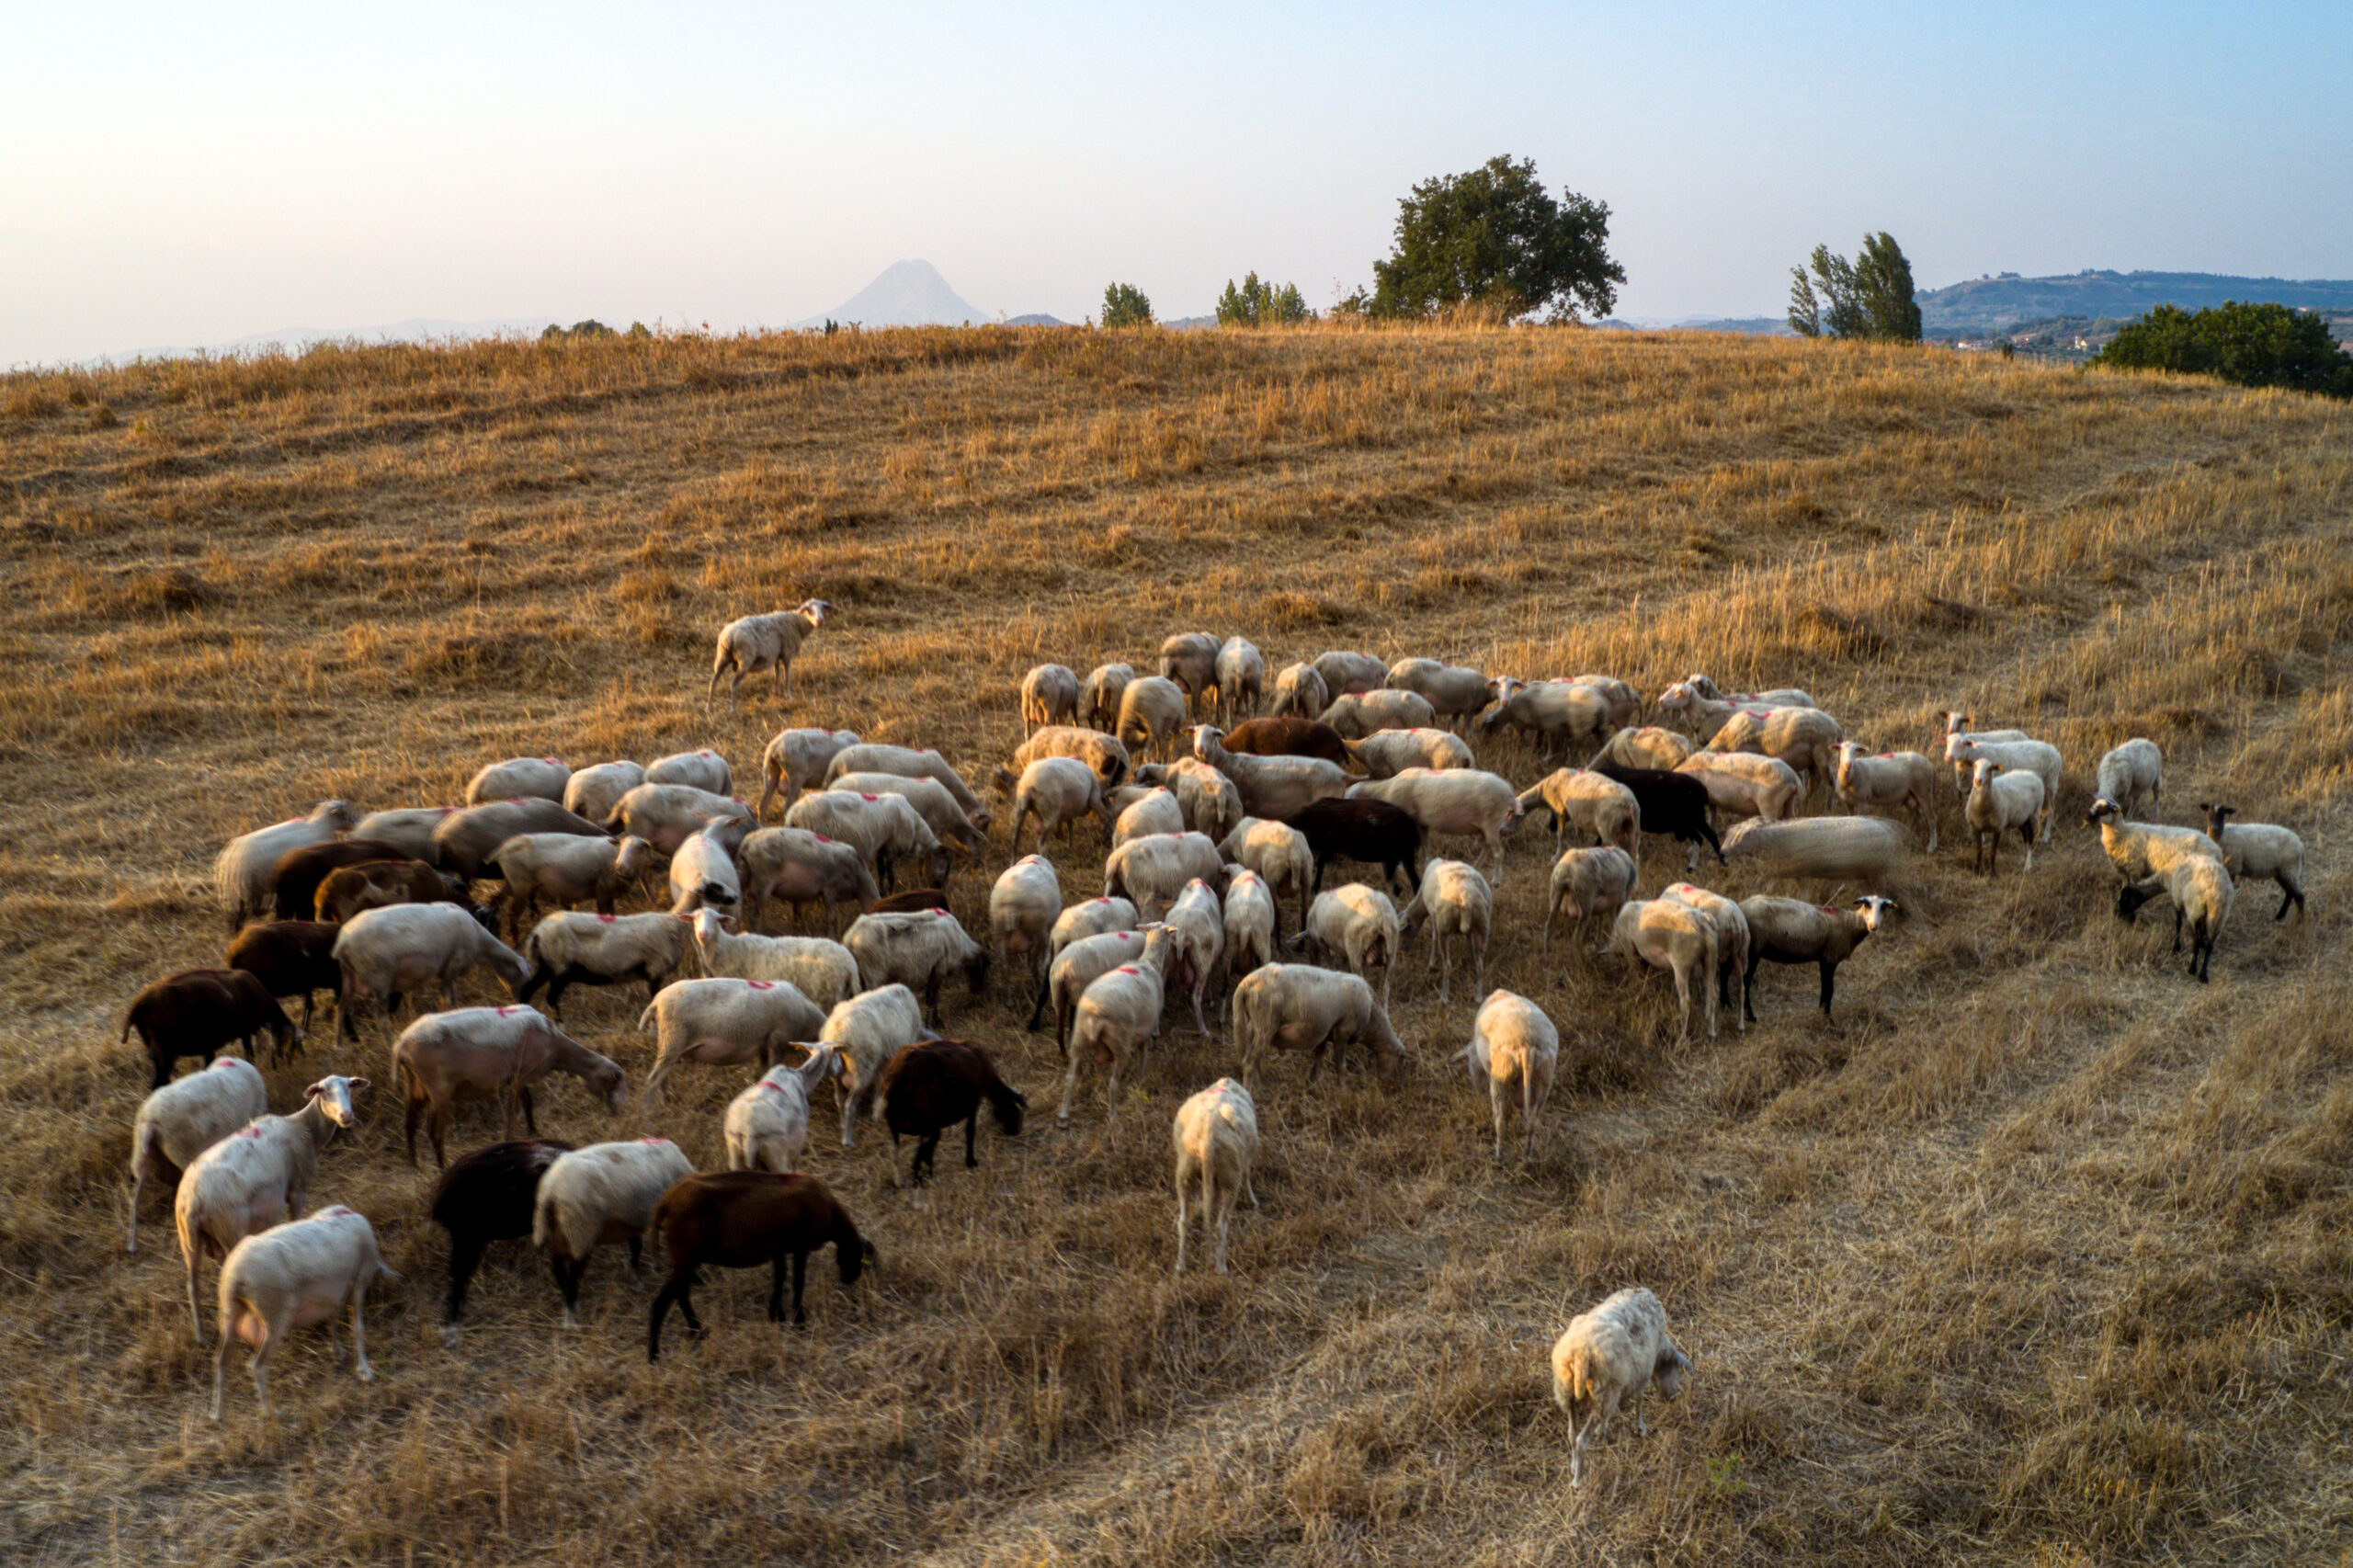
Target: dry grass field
(2042,1254)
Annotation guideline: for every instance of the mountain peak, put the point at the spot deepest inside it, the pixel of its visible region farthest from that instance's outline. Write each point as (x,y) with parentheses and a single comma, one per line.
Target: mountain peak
(908,293)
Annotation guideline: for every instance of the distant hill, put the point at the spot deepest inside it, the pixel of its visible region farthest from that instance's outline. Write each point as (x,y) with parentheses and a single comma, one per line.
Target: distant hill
(1768,326)
(1036,319)
(909,293)
(1988,304)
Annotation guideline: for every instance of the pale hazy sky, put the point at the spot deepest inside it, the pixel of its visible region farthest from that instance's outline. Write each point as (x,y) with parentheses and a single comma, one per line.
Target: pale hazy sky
(190,174)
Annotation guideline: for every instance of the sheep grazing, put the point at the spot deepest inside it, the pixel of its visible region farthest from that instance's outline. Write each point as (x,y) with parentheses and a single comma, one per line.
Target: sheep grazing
(198,1011)
(1357,926)
(1208,799)
(180,1121)
(2257,849)
(1650,748)
(1057,791)
(565,870)
(1904,778)
(741,1220)
(1453,901)
(705,769)
(241,873)
(2036,757)
(1459,801)
(1602,809)
(1075,968)
(2001,800)
(1371,833)
(932,801)
(1678,940)
(1790,930)
(1589,884)
(930,1087)
(1049,696)
(2131,775)
(387,953)
(1624,702)
(463,842)
(1673,803)
(408,829)
(1117,1016)
(1153,712)
(1151,872)
(1360,713)
(520,778)
(294,880)
(1189,660)
(481,1053)
(1345,674)
(917,951)
(594,1197)
(290,958)
(1859,849)
(1732,941)
(2200,889)
(666,815)
(1386,753)
(1620,1348)
(1277,852)
(914,764)
(1296,1006)
(796,759)
(1023,906)
(868,1030)
(257,1176)
(1280,736)
(1555,711)
(487,1196)
(757,642)
(723,1023)
(702,873)
(1780,696)
(1299,693)
(593,792)
(821,970)
(1249,915)
(1274,786)
(1741,784)
(1456,693)
(1216,1135)
(1099,694)
(766,1127)
(1513,1053)
(1199,920)
(380,885)
(800,867)
(885,829)
(570,950)
(2144,850)
(290,1277)
(1102,752)
(1153,810)
(1091,918)
(1806,738)
(1241,678)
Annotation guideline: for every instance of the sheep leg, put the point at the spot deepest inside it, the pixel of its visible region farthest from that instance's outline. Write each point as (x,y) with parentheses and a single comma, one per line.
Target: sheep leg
(1577,1451)
(1496,1089)
(2027,832)
(567,1280)
(366,1373)
(1749,985)
(2290,894)
(465,1255)
(140,1159)
(1181,1172)
(1070,1085)
(972,1129)
(530,1123)
(1683,996)
(1039,1012)
(1829,985)
(194,1251)
(412,1114)
(219,1367)
(777,1271)
(2176,936)
(800,1270)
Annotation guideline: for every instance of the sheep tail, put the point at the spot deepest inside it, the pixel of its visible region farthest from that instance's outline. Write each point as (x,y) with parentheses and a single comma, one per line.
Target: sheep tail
(543,1223)
(645,1020)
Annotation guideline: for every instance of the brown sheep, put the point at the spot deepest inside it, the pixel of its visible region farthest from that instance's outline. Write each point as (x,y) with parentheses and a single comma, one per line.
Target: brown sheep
(197,1011)
(741,1219)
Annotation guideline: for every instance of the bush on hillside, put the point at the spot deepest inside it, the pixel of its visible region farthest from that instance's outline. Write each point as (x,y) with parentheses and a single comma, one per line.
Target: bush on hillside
(2254,346)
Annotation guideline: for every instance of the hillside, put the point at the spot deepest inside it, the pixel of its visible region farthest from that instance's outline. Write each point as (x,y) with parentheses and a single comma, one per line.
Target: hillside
(1987,304)
(2037,1253)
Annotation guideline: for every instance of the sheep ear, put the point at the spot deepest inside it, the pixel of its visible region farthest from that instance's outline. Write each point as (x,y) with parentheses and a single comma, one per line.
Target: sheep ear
(356,1084)
(311,1093)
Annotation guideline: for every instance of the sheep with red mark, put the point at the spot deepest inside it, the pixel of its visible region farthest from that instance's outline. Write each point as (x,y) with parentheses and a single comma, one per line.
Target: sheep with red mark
(2039,757)
(489,1053)
(408,829)
(868,1030)
(254,1178)
(1387,753)
(1743,784)
(1649,746)
(487,1196)
(1558,712)
(1208,799)
(702,873)
(1240,677)
(1455,802)
(766,1126)
(933,1085)
(1188,661)
(1589,885)
(1602,809)
(1806,738)
(750,644)
(1355,925)
(2002,800)
(1456,693)
(240,874)
(1904,778)
(1454,902)
(1677,938)
(1732,941)
(723,1023)
(1199,920)
(1249,914)
(1625,704)
(1361,713)
(1151,810)
(1151,872)
(1299,693)
(1344,673)
(800,867)
(1780,696)
(1058,791)
(1153,712)
(1276,787)
(741,1220)
(932,801)
(666,815)
(2202,890)
(198,1011)
(819,968)
(180,1121)
(1103,754)
(593,792)
(1023,906)
(463,842)
(1854,849)
(1297,1006)
(566,868)
(518,778)
(2261,849)
(596,1196)
(1119,1014)
(290,1277)
(1216,1136)
(1620,1348)
(570,950)
(1791,930)
(1075,967)
(1513,1054)
(917,950)
(885,829)
(705,769)
(797,759)
(1277,852)
(386,953)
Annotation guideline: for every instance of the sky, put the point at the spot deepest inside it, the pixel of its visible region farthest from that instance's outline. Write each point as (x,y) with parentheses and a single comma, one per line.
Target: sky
(178,175)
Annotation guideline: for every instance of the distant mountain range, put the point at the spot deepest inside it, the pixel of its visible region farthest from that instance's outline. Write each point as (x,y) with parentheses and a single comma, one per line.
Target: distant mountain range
(1989,304)
(909,293)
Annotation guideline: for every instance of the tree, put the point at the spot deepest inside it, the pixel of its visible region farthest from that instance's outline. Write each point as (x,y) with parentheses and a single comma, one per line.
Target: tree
(1124,306)
(1262,304)
(2254,346)
(1496,235)
(1869,296)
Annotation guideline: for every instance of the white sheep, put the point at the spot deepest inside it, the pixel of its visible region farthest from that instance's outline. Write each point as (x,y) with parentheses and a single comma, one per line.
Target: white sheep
(491,1053)
(569,950)
(1602,809)
(1906,778)
(1555,711)
(1241,678)
(255,1177)
(1741,784)
(1344,674)
(798,868)
(702,873)
(1357,714)
(933,801)
(408,829)
(2002,800)
(1620,1348)
(566,868)
(1806,738)
(766,1126)
(1277,852)
(1678,940)
(1589,884)
(868,1030)
(1705,715)
(407,947)
(1075,967)
(1199,920)
(910,762)
(2038,757)
(1625,702)
(595,1196)
(1188,661)
(1513,1053)
(1458,800)
(796,759)
(917,949)
(1795,930)
(1090,917)
(1249,914)
(1153,810)
(819,968)
(705,769)
(1732,941)
(666,815)
(1453,901)
(1958,724)
(1299,692)
(1273,786)
(1023,904)
(1649,746)
(884,829)
(2258,849)
(187,1116)
(519,777)
(1356,924)
(2145,849)
(290,1277)
(1049,696)
(1780,696)
(1151,872)
(2131,773)
(1860,849)
(1099,694)
(1455,692)
(1296,1006)
(1153,712)
(2202,890)
(242,874)
(1216,1135)
(754,643)
(1385,753)
(1057,791)
(593,792)
(723,1023)
(1118,1013)
(1211,802)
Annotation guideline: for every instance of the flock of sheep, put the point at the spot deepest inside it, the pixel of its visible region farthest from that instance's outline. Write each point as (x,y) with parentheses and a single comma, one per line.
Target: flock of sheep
(1219,819)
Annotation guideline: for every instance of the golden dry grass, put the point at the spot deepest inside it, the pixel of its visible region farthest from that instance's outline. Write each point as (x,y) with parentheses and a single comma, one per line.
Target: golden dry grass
(2040,1254)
